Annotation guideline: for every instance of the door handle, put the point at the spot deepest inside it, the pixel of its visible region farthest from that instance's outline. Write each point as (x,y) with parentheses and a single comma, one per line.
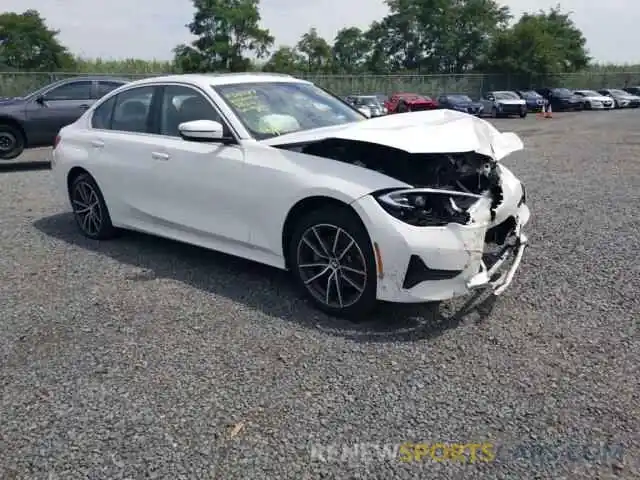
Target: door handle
(84,106)
(97,143)
(159,156)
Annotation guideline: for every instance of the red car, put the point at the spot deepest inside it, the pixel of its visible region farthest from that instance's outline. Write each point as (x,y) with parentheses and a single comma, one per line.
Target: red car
(409,102)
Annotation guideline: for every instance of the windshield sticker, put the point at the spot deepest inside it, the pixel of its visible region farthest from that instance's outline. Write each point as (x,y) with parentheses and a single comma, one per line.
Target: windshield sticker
(246,100)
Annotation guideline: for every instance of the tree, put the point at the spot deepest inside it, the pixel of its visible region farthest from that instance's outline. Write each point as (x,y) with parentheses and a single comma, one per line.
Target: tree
(539,44)
(27,44)
(285,60)
(435,35)
(227,30)
(316,50)
(350,50)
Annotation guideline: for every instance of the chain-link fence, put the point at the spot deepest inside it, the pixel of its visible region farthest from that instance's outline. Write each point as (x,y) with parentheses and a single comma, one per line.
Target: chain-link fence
(20,83)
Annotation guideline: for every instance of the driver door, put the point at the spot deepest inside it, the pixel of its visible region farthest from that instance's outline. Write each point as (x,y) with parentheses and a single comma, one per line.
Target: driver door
(61,106)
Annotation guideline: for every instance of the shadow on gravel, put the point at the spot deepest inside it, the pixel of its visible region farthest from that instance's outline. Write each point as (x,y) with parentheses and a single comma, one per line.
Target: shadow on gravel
(258,286)
(24,166)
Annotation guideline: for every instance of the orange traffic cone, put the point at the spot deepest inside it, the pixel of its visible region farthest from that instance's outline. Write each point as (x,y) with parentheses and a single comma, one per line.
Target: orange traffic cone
(549,113)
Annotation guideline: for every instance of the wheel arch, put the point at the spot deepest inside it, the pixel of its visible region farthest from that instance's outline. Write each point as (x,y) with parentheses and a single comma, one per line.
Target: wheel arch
(14,122)
(304,207)
(73,174)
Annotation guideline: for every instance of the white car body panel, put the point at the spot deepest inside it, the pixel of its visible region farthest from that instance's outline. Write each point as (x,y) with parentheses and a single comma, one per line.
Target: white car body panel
(597,102)
(236,198)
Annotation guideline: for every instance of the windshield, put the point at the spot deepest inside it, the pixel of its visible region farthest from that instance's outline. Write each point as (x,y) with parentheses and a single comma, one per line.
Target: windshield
(368,101)
(531,94)
(590,93)
(271,109)
(459,98)
(618,92)
(506,96)
(562,92)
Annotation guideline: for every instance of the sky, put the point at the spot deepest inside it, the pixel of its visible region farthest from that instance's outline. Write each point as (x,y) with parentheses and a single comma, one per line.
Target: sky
(151,28)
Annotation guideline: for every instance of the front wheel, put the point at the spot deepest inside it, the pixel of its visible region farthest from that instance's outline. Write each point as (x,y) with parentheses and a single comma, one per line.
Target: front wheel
(523,113)
(12,142)
(332,260)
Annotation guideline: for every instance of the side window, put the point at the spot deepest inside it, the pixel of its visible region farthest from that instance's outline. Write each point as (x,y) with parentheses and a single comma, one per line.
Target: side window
(102,115)
(131,112)
(183,104)
(105,87)
(71,91)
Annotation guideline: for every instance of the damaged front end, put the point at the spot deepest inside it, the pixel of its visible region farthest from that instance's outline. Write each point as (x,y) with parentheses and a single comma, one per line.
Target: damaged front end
(443,186)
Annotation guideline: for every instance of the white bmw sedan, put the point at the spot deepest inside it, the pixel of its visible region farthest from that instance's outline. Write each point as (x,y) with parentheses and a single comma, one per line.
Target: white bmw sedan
(413,207)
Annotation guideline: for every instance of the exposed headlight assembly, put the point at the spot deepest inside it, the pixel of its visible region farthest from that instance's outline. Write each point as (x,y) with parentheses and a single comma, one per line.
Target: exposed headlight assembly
(427,207)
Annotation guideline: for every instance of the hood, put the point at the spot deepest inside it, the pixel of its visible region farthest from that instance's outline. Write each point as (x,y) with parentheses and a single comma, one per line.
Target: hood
(459,103)
(418,101)
(435,131)
(600,98)
(512,101)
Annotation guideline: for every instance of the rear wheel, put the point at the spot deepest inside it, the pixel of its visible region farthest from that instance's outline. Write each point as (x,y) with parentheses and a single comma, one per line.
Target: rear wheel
(523,113)
(332,260)
(90,209)
(12,142)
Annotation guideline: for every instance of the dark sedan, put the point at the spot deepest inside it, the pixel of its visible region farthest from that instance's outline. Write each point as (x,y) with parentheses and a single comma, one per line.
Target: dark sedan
(535,101)
(561,99)
(35,119)
(460,103)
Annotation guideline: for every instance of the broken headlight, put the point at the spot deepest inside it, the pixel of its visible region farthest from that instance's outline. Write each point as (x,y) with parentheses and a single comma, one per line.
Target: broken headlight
(424,207)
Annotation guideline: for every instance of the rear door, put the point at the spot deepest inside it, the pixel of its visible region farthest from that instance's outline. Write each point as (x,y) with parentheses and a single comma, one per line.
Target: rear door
(61,106)
(121,144)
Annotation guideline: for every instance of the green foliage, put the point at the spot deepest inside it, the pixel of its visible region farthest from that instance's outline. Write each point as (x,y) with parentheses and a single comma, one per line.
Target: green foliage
(316,52)
(27,44)
(226,30)
(425,46)
(542,44)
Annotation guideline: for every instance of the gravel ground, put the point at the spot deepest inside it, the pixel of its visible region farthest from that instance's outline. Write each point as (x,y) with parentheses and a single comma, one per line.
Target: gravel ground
(143,358)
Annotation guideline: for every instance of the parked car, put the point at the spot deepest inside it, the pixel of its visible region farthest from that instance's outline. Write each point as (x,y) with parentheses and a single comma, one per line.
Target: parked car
(460,103)
(592,100)
(356,211)
(409,102)
(535,102)
(561,99)
(35,119)
(503,103)
(370,101)
(621,98)
(632,90)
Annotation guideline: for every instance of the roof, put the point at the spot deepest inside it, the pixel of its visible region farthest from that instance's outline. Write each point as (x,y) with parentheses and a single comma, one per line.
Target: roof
(214,79)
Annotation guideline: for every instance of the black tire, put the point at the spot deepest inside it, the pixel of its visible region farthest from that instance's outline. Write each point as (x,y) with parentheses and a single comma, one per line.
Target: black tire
(12,142)
(84,193)
(356,303)
(402,107)
(523,114)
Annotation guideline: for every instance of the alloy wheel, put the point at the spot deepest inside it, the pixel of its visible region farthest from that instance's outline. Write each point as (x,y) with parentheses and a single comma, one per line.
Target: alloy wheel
(331,265)
(86,206)
(7,142)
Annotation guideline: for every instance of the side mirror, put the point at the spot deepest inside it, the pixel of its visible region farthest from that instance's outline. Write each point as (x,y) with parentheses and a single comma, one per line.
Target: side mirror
(203,131)
(40,100)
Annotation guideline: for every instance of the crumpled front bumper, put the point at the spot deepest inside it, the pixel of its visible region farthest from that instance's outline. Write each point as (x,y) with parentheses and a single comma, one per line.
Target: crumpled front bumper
(499,275)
